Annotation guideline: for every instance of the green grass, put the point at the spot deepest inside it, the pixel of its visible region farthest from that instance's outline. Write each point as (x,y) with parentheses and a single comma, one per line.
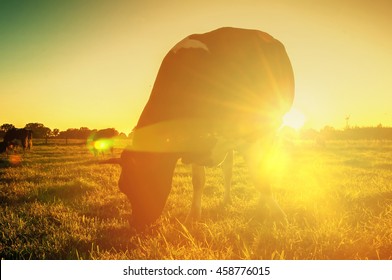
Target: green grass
(58,203)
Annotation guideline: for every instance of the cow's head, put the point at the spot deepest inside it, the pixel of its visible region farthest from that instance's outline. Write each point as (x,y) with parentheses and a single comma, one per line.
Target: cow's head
(146,179)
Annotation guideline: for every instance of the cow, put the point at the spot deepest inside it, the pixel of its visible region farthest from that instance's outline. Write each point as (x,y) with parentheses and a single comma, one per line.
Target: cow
(16,136)
(3,147)
(216,92)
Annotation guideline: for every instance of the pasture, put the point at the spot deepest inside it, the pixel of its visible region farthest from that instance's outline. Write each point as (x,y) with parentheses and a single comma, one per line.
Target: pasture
(58,203)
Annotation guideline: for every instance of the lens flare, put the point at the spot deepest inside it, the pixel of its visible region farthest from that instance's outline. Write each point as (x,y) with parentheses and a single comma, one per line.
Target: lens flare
(100,145)
(15,159)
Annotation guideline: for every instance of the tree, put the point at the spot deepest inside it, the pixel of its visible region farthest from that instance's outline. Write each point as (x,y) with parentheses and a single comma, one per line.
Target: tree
(106,133)
(56,132)
(347,118)
(7,126)
(328,132)
(39,130)
(122,135)
(84,132)
(4,128)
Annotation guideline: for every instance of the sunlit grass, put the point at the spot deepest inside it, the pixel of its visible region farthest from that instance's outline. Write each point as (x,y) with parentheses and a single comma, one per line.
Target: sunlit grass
(58,203)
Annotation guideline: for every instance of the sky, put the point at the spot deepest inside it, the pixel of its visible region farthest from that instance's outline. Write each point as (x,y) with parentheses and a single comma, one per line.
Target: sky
(92,63)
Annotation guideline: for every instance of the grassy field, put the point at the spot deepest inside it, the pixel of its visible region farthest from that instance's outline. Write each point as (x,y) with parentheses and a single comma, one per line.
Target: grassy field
(58,203)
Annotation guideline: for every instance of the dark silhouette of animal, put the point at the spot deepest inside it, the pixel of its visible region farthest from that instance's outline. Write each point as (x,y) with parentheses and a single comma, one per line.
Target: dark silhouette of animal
(15,137)
(224,90)
(3,147)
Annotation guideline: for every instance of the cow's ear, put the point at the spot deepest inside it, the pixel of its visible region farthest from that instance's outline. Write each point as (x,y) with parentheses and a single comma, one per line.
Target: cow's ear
(111,161)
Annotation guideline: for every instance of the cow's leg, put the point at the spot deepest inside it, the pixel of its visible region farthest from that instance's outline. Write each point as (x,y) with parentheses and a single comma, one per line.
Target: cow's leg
(257,156)
(198,181)
(30,143)
(227,169)
(24,144)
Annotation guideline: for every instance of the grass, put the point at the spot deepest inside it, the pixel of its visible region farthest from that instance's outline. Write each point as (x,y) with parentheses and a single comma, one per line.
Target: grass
(58,203)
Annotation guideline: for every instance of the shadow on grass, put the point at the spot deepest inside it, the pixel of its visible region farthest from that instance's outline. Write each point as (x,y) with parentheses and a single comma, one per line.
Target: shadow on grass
(65,192)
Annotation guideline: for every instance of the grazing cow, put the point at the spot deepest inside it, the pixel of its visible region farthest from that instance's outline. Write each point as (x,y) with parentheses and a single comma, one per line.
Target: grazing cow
(19,135)
(214,92)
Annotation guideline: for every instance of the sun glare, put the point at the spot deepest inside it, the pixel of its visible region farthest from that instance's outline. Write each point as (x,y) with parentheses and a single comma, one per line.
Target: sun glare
(294,119)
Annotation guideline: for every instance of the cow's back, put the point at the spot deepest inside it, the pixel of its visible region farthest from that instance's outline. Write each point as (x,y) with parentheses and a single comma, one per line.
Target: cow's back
(232,74)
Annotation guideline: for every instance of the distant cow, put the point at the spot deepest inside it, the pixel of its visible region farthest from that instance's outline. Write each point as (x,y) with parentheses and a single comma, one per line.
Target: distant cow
(214,92)
(3,147)
(16,136)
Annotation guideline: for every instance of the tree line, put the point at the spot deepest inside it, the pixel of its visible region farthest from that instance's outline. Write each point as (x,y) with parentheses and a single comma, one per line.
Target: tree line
(328,132)
(349,133)
(40,131)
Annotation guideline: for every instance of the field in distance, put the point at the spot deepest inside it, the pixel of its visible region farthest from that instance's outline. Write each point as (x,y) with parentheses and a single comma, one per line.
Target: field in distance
(58,203)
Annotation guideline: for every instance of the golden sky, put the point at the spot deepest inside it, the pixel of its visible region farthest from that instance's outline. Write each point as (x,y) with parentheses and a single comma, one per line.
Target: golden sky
(69,64)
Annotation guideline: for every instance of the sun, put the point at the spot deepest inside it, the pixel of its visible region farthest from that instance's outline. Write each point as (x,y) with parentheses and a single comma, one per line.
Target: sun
(294,119)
